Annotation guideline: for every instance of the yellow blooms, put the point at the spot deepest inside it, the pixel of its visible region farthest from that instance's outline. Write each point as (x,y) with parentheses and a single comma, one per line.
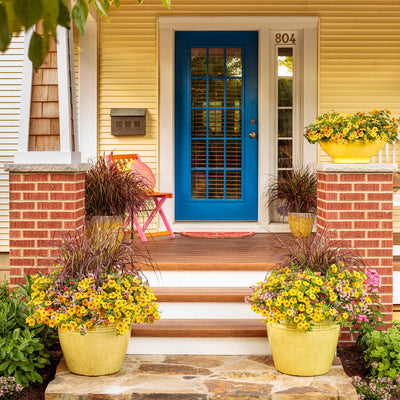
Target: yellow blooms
(120,299)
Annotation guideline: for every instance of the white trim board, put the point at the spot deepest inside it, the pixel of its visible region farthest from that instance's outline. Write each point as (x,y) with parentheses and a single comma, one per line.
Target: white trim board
(267,158)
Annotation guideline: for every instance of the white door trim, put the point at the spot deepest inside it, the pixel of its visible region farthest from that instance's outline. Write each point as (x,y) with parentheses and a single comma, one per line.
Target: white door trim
(264,25)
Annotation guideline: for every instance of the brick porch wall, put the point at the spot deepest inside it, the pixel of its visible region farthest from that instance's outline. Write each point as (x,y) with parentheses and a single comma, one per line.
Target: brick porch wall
(44,200)
(357,202)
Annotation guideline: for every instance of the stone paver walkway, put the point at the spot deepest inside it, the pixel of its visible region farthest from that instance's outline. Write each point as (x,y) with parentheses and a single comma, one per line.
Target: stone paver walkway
(181,377)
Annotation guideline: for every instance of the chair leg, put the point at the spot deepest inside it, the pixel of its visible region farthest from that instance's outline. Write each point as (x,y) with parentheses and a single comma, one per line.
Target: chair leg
(139,229)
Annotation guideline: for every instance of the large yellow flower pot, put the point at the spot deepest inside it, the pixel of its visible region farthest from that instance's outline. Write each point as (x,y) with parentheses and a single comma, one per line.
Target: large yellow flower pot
(301,224)
(99,352)
(106,223)
(296,352)
(352,153)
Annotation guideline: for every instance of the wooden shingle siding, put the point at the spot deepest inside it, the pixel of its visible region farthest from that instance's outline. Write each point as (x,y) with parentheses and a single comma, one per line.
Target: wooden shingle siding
(359,54)
(10,98)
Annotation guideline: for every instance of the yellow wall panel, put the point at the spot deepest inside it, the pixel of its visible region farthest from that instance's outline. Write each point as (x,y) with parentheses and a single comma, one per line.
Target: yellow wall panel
(359,54)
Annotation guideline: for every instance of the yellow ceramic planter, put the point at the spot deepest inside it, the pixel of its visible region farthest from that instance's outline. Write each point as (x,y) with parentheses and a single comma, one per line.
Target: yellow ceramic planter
(352,153)
(301,224)
(105,223)
(296,352)
(99,352)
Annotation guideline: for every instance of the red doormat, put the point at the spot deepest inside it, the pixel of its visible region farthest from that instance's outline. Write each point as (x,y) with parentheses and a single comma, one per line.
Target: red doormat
(217,235)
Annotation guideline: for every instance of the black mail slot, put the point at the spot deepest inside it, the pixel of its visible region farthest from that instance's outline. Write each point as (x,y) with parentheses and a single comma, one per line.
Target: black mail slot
(128,121)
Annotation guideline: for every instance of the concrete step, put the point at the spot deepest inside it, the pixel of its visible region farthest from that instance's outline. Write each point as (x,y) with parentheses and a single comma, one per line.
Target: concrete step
(180,377)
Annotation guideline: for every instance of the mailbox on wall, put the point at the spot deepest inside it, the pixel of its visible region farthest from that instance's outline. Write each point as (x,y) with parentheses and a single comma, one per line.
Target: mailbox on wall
(128,121)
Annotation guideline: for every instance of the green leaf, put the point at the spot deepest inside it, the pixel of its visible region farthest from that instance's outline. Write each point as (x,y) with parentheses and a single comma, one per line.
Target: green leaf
(4,365)
(64,19)
(167,3)
(117,4)
(11,369)
(28,12)
(35,52)
(106,6)
(14,26)
(80,14)
(51,11)
(5,36)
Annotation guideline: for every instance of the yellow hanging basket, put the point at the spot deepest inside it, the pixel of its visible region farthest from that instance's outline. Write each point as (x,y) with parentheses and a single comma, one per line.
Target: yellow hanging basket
(303,353)
(301,224)
(358,152)
(99,352)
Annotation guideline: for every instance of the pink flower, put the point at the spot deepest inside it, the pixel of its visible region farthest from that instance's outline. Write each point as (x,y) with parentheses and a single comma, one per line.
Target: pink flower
(361,318)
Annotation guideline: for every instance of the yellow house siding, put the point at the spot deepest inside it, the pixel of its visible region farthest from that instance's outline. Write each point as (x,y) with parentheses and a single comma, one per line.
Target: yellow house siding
(359,57)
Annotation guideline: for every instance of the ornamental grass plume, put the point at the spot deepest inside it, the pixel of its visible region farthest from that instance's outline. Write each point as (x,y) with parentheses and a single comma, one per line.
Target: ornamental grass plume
(317,253)
(111,192)
(294,192)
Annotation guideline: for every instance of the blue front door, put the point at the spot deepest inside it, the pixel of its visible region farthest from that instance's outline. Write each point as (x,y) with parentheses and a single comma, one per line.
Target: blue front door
(216,111)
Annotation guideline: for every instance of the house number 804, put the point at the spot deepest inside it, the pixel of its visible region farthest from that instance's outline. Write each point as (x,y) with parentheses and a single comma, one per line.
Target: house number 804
(285,38)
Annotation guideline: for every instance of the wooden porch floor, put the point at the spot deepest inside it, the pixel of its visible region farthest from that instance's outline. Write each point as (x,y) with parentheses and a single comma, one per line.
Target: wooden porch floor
(186,253)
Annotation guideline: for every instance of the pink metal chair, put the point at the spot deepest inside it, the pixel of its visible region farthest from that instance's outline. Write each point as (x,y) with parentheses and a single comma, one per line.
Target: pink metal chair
(159,198)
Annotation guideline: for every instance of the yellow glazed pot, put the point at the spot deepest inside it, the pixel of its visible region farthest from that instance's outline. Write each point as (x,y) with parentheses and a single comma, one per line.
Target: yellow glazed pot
(354,152)
(296,352)
(99,223)
(99,352)
(301,224)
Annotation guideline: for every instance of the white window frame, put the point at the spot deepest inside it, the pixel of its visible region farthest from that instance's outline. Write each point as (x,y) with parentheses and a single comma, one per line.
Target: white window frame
(309,99)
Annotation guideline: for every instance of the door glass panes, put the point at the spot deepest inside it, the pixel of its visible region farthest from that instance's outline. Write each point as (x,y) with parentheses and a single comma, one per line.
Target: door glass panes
(216,123)
(199,62)
(198,123)
(285,109)
(234,123)
(234,62)
(199,92)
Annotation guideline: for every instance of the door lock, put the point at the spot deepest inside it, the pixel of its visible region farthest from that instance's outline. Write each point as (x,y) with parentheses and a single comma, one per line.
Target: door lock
(252,135)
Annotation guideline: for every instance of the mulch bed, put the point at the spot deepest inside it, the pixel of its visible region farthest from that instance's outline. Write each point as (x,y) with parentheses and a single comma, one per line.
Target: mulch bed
(350,355)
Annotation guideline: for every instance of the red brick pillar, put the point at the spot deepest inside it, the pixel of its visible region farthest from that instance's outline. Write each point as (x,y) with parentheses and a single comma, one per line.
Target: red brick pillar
(356,200)
(44,200)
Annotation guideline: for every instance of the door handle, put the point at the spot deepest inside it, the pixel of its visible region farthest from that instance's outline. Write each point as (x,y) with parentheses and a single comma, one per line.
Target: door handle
(252,135)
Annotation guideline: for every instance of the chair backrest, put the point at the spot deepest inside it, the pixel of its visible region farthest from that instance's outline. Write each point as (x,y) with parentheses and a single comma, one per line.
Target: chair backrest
(133,162)
(122,159)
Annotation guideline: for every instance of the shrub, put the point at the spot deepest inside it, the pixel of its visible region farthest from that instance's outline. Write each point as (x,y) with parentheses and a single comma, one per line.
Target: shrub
(21,355)
(23,350)
(383,352)
(8,387)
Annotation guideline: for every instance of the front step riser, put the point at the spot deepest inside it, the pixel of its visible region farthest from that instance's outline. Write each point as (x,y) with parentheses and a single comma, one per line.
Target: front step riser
(207,311)
(204,278)
(218,346)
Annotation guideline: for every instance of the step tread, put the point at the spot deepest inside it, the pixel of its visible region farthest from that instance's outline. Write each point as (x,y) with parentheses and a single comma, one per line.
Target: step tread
(201,328)
(211,266)
(396,263)
(201,294)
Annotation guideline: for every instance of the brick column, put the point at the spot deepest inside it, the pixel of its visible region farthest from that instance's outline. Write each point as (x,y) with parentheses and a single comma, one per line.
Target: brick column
(44,200)
(356,200)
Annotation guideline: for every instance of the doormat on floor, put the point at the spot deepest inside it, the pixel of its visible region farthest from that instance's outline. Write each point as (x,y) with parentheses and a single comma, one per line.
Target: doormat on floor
(217,235)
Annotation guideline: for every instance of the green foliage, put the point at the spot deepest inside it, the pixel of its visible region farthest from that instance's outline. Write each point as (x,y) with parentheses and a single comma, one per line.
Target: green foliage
(23,350)
(19,15)
(21,355)
(383,352)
